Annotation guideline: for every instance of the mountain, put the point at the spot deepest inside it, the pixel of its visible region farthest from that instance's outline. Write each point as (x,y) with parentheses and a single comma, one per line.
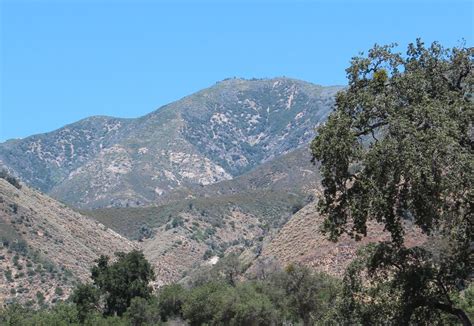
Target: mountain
(214,135)
(203,222)
(292,172)
(45,247)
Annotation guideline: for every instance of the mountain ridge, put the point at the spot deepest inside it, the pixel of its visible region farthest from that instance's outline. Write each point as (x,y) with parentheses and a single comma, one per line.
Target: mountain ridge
(212,135)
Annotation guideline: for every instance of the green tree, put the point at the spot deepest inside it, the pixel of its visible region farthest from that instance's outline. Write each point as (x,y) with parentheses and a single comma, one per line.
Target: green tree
(123,280)
(218,303)
(250,307)
(12,315)
(171,298)
(229,268)
(398,149)
(202,302)
(309,295)
(86,298)
(61,315)
(466,301)
(143,312)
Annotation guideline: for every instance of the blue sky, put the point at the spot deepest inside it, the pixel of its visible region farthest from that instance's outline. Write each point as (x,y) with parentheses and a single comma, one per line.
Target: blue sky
(62,61)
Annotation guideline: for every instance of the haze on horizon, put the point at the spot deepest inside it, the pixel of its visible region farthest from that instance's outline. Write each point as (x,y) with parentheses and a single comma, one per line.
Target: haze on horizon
(61,62)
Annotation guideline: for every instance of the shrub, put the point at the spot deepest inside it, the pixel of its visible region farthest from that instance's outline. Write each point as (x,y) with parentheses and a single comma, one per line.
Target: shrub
(40,297)
(145,232)
(177,221)
(170,300)
(208,254)
(143,312)
(10,179)
(8,275)
(19,246)
(58,291)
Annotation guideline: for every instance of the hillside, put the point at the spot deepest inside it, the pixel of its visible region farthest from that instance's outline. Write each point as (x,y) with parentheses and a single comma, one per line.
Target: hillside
(45,246)
(290,172)
(300,240)
(200,222)
(213,135)
(182,235)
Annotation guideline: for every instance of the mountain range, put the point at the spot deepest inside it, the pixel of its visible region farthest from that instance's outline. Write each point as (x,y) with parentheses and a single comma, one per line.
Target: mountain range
(226,169)
(214,135)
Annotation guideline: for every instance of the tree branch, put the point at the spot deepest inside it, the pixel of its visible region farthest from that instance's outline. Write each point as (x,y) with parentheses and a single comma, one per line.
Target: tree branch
(453,311)
(371,128)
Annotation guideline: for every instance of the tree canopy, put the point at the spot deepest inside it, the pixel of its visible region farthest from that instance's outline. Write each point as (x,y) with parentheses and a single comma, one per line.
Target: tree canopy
(125,279)
(398,149)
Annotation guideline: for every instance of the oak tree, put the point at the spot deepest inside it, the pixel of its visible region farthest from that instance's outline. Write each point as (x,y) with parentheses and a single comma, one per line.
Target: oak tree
(398,149)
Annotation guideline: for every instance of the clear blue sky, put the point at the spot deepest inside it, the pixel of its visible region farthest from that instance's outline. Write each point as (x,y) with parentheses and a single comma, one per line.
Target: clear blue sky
(65,60)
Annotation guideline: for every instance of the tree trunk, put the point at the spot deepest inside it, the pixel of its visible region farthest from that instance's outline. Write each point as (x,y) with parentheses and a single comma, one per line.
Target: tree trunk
(459,313)
(306,320)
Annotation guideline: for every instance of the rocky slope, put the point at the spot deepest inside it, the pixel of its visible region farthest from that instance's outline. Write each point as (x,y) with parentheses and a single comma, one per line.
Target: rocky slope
(300,240)
(179,236)
(200,223)
(210,136)
(45,247)
(290,172)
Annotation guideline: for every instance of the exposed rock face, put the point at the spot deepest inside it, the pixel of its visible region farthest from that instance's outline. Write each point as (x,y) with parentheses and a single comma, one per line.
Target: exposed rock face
(45,245)
(213,135)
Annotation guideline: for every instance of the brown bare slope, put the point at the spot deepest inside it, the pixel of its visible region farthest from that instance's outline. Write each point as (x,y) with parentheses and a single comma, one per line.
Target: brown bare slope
(301,241)
(45,245)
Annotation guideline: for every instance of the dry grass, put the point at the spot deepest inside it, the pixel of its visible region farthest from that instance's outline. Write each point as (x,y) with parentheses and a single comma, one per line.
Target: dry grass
(53,235)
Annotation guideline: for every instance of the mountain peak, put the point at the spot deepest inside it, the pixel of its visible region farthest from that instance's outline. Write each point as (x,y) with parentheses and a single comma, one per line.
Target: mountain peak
(212,135)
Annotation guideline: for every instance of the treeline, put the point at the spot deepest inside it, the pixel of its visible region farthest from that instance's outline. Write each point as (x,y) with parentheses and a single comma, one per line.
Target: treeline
(120,294)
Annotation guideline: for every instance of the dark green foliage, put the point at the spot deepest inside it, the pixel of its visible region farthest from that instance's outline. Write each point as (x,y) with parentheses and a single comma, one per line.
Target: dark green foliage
(14,208)
(229,268)
(12,180)
(177,221)
(170,299)
(116,285)
(58,291)
(19,246)
(308,295)
(60,315)
(398,149)
(296,295)
(282,298)
(145,232)
(123,280)
(465,301)
(86,298)
(207,254)
(295,208)
(222,304)
(143,312)
(40,298)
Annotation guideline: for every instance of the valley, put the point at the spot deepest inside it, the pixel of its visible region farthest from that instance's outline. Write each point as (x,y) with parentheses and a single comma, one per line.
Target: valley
(220,171)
